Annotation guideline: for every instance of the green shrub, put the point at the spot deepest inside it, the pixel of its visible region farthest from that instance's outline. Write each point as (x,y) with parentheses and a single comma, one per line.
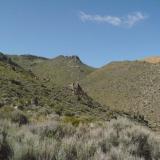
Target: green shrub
(69,113)
(58,110)
(75,121)
(53,130)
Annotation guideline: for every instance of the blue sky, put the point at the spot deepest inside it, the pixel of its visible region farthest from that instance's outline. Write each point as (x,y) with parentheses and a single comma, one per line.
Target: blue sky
(98,31)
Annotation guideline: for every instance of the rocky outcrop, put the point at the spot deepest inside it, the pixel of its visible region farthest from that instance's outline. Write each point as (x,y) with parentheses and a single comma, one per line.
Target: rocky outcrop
(73,58)
(77,89)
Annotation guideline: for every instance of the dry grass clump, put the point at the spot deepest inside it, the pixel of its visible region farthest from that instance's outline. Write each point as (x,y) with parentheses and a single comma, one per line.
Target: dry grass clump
(115,140)
(5,149)
(18,117)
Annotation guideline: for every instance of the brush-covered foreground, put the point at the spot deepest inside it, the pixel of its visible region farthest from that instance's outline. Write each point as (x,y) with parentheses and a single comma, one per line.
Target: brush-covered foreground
(118,139)
(40,120)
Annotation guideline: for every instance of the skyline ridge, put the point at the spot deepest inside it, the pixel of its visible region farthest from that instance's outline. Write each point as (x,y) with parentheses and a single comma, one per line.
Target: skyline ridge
(104,31)
(84,61)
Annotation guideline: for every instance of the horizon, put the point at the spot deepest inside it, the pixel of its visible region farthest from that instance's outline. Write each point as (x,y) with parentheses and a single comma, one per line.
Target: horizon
(97,32)
(50,58)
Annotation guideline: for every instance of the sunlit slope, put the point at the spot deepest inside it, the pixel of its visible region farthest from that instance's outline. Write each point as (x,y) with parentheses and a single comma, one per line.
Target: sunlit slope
(26,61)
(62,70)
(22,90)
(133,87)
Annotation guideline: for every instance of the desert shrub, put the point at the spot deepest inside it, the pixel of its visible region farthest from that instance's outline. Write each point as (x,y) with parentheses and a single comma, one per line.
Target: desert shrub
(71,149)
(5,112)
(19,117)
(59,110)
(114,154)
(53,130)
(115,140)
(6,151)
(75,120)
(69,113)
(44,111)
(29,156)
(68,150)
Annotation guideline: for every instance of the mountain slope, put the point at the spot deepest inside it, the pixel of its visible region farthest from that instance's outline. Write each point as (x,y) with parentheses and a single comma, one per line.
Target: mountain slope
(61,70)
(22,90)
(133,87)
(41,121)
(26,61)
(29,93)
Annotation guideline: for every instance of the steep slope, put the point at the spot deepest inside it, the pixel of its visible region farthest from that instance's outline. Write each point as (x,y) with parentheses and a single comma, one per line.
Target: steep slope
(26,61)
(22,90)
(133,87)
(35,123)
(62,70)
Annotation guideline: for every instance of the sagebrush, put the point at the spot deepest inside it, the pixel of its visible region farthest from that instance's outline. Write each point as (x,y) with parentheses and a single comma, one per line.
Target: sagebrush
(118,139)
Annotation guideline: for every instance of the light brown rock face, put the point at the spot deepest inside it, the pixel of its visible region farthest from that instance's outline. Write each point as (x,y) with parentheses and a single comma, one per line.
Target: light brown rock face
(155,59)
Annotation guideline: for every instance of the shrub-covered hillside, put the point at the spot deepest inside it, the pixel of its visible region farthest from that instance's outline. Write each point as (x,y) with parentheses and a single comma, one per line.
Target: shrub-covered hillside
(130,86)
(24,91)
(61,70)
(27,61)
(43,121)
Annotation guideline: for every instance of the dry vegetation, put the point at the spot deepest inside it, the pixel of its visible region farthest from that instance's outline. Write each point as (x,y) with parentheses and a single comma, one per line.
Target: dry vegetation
(61,70)
(53,140)
(119,85)
(41,121)
(129,86)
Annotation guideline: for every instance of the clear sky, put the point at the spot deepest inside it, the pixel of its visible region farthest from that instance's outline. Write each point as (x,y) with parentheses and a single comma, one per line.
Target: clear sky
(98,31)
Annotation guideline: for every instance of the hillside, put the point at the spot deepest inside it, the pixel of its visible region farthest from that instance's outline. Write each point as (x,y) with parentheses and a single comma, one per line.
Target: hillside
(26,61)
(127,87)
(61,70)
(133,87)
(22,90)
(47,122)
